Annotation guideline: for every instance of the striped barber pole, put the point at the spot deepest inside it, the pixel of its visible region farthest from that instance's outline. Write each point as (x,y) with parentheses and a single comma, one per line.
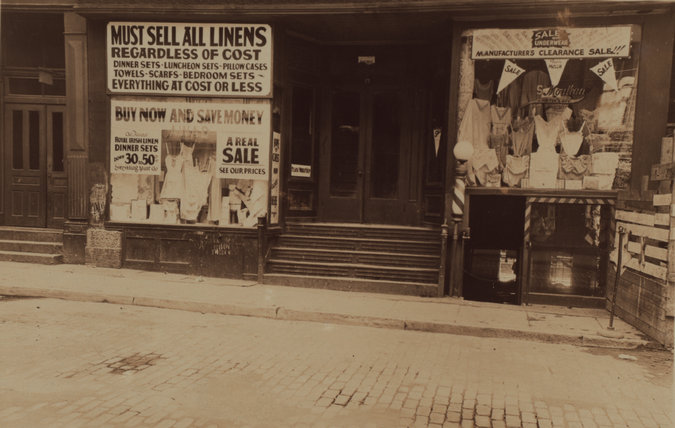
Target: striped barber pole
(458,198)
(528,215)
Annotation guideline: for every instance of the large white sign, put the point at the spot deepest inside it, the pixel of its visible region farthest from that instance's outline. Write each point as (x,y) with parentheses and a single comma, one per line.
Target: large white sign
(239,134)
(596,42)
(190,59)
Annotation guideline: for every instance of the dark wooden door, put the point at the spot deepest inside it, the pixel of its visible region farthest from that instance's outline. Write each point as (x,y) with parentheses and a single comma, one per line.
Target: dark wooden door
(35,178)
(366,156)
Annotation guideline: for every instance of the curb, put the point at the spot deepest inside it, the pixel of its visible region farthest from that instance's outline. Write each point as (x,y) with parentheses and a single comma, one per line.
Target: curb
(285,314)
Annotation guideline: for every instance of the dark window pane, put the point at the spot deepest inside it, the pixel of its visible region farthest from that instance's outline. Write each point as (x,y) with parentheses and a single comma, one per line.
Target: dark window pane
(386,146)
(301,149)
(563,272)
(57,141)
(33,40)
(24,86)
(34,139)
(57,88)
(344,151)
(17,139)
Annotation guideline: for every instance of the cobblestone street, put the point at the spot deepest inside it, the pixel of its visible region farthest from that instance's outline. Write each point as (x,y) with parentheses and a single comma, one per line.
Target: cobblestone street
(69,364)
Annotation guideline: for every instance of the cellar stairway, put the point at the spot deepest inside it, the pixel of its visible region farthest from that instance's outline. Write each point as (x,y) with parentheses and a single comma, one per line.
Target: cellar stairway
(356,257)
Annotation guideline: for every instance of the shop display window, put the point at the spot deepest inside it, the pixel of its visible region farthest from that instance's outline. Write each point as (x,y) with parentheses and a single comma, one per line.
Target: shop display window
(549,108)
(187,191)
(193,164)
(568,246)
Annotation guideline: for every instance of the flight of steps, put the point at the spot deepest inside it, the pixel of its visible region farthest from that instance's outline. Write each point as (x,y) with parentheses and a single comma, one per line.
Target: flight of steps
(31,245)
(356,257)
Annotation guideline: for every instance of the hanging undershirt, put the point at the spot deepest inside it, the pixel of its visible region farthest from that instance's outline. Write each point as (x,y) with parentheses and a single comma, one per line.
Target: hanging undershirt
(531,80)
(196,192)
(173,187)
(186,153)
(499,135)
(547,133)
(571,141)
(523,131)
(475,126)
(483,91)
(518,165)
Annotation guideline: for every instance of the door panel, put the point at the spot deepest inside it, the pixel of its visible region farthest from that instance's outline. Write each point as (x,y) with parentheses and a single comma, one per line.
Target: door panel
(25,129)
(368,157)
(36,182)
(342,179)
(57,182)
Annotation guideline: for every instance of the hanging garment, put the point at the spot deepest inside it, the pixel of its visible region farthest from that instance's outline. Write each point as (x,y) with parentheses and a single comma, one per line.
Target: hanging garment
(500,143)
(547,133)
(571,141)
(544,169)
(499,135)
(516,169)
(501,120)
(215,196)
(196,192)
(484,163)
(186,153)
(475,126)
(510,96)
(574,167)
(483,91)
(521,137)
(532,80)
(173,187)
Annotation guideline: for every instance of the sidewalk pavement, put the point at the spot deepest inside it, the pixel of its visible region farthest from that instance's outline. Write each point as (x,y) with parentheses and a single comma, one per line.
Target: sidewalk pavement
(576,326)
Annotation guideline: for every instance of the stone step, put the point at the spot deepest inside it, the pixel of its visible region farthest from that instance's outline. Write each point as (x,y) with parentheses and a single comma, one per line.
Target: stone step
(30,234)
(358,257)
(351,270)
(31,246)
(369,231)
(352,284)
(23,257)
(359,244)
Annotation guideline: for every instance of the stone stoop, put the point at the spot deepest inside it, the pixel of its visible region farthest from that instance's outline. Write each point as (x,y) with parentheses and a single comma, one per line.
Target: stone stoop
(356,257)
(31,245)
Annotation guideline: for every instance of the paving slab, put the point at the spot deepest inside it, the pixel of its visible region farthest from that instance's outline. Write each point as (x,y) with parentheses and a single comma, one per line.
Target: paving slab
(579,326)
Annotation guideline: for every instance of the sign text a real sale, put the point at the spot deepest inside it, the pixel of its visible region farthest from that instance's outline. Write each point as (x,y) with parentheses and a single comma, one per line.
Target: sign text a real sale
(190,59)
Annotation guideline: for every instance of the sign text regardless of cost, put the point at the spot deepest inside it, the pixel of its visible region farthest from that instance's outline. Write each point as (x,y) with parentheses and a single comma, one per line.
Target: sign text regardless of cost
(190,59)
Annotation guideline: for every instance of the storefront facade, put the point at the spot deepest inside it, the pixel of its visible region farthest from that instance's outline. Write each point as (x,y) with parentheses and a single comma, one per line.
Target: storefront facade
(188,138)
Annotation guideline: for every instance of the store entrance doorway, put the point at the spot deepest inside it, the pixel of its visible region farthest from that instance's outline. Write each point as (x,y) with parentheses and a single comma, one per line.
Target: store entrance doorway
(369,165)
(35,181)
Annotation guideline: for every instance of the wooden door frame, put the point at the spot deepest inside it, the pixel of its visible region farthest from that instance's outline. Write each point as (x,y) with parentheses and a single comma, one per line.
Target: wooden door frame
(41,173)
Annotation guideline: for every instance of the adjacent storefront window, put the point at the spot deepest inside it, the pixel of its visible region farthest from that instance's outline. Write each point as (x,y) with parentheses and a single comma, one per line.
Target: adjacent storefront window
(180,152)
(549,108)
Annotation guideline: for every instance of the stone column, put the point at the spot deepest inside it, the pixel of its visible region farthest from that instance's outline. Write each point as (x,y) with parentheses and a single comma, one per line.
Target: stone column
(76,127)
